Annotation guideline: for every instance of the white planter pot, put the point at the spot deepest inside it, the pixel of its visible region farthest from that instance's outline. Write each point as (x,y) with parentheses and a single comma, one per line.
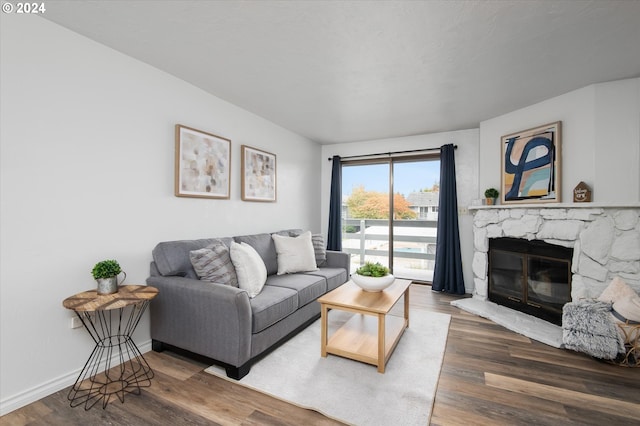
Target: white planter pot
(372,284)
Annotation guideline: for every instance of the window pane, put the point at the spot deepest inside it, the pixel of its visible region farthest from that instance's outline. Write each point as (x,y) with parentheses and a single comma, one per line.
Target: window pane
(365,213)
(416,196)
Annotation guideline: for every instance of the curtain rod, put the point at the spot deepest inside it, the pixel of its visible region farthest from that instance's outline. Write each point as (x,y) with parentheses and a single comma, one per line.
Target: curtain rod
(391,153)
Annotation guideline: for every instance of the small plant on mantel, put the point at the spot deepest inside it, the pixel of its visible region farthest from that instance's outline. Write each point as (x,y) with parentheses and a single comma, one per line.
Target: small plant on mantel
(491,194)
(370,269)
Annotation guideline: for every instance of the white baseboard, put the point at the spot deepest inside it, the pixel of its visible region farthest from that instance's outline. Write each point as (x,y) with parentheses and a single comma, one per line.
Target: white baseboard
(40,391)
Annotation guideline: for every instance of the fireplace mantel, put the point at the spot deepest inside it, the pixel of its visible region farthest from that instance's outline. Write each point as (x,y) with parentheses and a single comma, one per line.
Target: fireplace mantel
(559,206)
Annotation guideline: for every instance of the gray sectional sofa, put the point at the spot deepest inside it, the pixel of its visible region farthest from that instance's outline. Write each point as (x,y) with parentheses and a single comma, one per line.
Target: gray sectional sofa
(220,322)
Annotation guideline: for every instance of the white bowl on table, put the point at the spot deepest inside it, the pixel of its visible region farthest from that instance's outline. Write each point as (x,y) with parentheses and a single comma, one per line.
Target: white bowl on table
(372,284)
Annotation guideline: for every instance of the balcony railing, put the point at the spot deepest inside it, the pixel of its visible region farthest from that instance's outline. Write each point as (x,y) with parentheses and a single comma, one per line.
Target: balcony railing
(414,243)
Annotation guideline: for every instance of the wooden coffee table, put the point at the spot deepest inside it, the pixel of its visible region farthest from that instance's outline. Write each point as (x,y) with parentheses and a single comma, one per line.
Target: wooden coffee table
(371,335)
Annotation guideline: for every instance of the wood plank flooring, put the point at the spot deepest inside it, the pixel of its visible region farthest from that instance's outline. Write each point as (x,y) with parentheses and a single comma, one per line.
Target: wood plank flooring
(490,376)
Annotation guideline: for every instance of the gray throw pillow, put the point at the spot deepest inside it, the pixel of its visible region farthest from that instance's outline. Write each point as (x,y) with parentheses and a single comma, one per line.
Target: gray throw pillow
(213,263)
(319,248)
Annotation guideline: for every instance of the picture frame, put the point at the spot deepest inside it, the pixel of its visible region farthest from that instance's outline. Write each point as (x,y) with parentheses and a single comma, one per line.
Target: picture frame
(258,175)
(531,165)
(202,164)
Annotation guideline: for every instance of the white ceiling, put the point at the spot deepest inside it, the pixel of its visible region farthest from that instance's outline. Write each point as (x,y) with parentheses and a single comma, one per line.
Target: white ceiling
(342,71)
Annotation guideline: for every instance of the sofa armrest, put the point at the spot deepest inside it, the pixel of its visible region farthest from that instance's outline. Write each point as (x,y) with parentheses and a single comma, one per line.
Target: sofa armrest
(209,319)
(338,259)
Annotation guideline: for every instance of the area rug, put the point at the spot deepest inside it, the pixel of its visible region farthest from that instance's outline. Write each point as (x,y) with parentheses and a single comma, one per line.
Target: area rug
(351,391)
(527,325)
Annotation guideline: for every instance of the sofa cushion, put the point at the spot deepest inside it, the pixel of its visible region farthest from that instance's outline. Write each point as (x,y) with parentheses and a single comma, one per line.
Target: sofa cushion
(213,263)
(335,276)
(263,244)
(250,268)
(290,232)
(271,305)
(172,257)
(295,254)
(308,287)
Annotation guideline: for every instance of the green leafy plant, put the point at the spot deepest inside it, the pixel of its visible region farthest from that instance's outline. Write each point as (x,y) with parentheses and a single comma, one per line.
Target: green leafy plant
(370,269)
(491,193)
(106,269)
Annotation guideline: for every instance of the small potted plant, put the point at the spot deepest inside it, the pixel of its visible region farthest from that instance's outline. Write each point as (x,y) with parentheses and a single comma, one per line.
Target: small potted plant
(372,277)
(491,195)
(106,274)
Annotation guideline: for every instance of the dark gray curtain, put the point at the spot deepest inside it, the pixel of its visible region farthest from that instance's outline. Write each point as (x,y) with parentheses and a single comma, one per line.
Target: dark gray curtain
(447,274)
(334,238)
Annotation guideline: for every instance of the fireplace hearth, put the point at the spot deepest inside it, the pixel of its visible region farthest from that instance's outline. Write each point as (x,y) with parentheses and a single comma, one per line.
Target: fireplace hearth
(530,276)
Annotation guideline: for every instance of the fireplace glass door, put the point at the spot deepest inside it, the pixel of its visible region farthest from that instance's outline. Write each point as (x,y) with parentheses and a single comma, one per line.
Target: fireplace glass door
(507,273)
(530,276)
(547,282)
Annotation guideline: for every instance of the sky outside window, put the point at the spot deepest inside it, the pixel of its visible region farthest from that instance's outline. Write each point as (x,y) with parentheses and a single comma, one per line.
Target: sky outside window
(408,177)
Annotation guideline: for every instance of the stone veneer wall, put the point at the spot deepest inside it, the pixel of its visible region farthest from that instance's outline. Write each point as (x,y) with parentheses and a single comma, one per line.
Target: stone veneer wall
(605,241)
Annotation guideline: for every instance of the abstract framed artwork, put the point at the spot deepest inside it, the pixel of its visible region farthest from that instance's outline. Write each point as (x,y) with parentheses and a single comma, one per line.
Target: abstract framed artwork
(531,165)
(258,175)
(203,164)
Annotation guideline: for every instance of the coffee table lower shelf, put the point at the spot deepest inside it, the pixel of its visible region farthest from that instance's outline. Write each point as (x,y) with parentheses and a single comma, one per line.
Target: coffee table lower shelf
(366,338)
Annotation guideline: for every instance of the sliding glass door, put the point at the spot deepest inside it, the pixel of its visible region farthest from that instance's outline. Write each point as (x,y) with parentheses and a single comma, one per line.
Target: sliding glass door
(390,212)
(415,223)
(365,213)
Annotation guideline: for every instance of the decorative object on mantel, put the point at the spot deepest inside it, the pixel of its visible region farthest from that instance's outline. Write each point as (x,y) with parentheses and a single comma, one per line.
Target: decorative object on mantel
(491,195)
(531,165)
(372,277)
(106,275)
(582,193)
(203,164)
(258,175)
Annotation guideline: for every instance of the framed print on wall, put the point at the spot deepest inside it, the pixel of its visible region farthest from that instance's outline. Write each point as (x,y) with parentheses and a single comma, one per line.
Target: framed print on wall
(203,164)
(531,165)
(258,175)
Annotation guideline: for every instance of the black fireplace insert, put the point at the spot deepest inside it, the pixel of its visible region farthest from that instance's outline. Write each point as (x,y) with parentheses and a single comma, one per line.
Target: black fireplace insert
(533,277)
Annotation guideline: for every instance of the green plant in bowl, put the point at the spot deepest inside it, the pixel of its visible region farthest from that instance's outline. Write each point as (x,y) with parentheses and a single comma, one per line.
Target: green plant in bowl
(370,269)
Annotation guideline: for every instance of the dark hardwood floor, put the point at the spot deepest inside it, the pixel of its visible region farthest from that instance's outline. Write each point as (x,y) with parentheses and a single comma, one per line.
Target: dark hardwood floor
(490,376)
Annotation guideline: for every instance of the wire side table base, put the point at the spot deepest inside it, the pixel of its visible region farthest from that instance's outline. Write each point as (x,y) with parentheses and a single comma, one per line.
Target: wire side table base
(116,365)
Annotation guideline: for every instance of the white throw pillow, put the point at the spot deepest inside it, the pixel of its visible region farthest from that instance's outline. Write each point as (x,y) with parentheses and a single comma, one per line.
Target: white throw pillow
(250,269)
(295,254)
(617,289)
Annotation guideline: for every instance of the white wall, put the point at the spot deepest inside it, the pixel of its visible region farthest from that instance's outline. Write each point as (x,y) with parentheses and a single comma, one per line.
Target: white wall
(466,176)
(87,163)
(617,141)
(600,139)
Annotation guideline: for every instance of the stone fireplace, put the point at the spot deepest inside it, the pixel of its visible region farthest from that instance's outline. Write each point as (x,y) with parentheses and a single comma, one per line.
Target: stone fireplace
(605,240)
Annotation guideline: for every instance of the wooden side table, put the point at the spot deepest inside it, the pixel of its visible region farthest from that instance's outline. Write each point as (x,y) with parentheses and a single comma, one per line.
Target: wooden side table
(111,320)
